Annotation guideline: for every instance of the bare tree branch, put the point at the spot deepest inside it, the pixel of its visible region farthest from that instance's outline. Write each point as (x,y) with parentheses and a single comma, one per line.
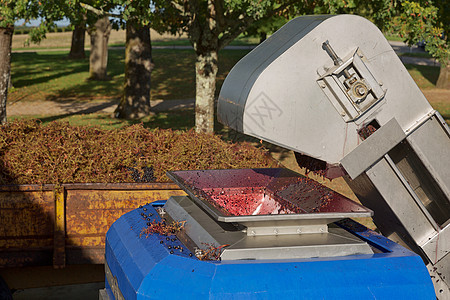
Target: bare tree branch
(234,31)
(179,7)
(220,15)
(99,12)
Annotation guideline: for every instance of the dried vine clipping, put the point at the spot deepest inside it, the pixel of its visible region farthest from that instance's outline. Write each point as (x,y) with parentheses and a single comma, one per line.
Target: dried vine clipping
(210,252)
(162,228)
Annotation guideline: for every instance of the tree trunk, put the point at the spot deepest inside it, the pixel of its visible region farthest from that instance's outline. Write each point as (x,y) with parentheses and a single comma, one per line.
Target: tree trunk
(98,59)
(206,68)
(135,102)
(444,77)
(77,46)
(262,37)
(6,34)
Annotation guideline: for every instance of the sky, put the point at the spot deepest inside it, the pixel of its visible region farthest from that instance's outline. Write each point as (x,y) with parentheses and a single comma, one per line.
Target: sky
(34,23)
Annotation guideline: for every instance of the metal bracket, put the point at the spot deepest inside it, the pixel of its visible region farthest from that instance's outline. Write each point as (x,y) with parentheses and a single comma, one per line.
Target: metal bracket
(349,84)
(279,230)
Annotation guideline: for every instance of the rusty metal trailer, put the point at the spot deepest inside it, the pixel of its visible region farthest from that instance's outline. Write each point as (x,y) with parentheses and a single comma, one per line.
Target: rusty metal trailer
(66,224)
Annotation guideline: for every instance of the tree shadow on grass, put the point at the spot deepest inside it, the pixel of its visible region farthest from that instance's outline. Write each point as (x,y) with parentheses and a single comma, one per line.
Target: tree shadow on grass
(54,76)
(430,73)
(173,76)
(51,76)
(34,68)
(87,88)
(176,120)
(18,83)
(74,110)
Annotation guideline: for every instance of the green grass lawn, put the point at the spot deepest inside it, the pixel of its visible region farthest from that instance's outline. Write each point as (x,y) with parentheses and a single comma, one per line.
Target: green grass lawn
(424,76)
(416,54)
(393,37)
(444,110)
(51,76)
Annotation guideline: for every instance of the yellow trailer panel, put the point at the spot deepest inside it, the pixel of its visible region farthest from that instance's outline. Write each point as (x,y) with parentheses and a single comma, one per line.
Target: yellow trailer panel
(66,224)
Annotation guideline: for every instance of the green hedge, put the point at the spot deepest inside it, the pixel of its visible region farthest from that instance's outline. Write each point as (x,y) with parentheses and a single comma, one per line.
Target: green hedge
(26,30)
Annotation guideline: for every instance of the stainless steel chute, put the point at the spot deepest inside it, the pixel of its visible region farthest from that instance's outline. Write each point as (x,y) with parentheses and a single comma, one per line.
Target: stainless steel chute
(332,88)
